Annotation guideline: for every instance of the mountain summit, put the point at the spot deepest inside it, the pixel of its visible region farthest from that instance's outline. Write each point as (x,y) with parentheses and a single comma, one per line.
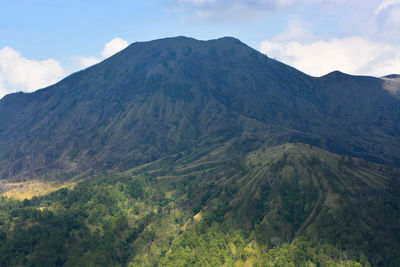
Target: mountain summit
(167,96)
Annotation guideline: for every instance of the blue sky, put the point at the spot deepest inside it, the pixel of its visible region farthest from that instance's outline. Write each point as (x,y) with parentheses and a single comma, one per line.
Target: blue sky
(42,41)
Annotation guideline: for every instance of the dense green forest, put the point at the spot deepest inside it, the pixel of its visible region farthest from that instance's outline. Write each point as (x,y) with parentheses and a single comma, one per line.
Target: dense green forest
(292,205)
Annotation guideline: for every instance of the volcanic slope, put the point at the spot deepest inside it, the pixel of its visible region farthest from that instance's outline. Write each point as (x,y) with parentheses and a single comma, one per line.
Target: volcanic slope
(159,98)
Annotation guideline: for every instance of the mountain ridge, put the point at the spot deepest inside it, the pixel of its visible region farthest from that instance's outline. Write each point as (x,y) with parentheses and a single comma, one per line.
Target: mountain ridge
(164,96)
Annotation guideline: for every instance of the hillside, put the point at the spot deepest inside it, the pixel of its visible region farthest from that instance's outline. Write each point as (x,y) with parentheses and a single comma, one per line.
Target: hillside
(292,204)
(170,95)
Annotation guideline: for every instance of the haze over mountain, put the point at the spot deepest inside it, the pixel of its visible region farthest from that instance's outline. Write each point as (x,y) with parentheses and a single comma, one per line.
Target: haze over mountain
(165,96)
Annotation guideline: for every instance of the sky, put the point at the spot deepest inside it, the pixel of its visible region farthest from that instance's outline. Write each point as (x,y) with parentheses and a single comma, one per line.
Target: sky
(43,41)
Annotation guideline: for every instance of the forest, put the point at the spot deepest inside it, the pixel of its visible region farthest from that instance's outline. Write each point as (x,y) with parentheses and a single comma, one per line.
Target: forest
(146,220)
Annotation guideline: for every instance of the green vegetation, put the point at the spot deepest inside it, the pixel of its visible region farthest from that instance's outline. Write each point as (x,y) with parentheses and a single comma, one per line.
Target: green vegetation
(100,223)
(291,205)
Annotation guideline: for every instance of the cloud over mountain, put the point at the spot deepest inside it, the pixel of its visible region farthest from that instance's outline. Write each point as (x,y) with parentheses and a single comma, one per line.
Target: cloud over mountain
(298,47)
(330,37)
(238,9)
(112,47)
(18,73)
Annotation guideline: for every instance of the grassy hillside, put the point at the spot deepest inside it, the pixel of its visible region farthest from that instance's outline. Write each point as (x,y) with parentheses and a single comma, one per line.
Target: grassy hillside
(290,205)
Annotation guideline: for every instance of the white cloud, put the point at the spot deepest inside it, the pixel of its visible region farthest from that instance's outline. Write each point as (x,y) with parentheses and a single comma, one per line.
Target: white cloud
(296,30)
(224,9)
(18,73)
(86,62)
(385,4)
(250,9)
(181,5)
(112,47)
(186,4)
(389,23)
(354,55)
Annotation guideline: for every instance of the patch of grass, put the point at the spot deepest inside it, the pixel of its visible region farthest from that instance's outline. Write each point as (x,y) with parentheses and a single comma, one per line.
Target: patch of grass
(34,188)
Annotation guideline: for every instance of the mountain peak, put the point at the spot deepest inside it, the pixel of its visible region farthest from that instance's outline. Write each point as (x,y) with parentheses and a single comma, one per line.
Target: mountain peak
(186,45)
(335,73)
(183,38)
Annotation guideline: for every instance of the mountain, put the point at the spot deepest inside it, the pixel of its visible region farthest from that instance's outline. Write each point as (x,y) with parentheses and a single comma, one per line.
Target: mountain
(166,96)
(179,152)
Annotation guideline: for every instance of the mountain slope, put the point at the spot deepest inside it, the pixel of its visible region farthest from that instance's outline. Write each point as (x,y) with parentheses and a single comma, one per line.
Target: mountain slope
(295,193)
(291,204)
(166,96)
